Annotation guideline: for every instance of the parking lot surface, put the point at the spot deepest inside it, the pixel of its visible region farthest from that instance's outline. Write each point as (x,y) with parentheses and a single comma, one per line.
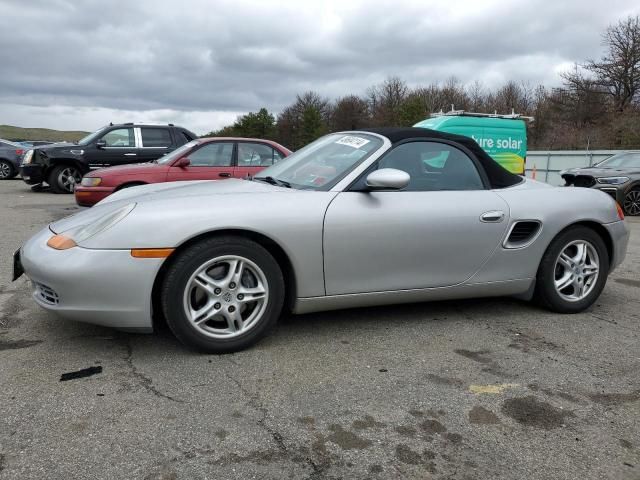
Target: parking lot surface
(491,388)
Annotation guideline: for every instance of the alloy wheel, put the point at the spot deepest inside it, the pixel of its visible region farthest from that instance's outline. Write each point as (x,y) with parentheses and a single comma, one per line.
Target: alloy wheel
(68,178)
(226,296)
(632,202)
(576,270)
(5,170)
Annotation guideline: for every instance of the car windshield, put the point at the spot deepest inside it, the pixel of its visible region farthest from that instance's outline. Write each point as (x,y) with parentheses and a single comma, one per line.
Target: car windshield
(92,136)
(622,160)
(177,153)
(323,163)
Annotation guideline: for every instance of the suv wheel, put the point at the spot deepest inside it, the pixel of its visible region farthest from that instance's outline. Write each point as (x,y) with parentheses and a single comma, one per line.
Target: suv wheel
(7,171)
(632,202)
(63,178)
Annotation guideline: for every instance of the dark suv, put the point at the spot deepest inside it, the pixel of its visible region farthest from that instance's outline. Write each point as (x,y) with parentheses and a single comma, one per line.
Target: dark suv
(618,176)
(62,165)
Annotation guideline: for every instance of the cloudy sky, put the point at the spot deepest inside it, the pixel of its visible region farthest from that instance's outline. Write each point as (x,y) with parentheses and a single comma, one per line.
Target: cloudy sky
(78,64)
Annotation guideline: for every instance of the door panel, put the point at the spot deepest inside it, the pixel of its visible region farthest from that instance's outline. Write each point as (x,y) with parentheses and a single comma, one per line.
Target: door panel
(212,161)
(120,149)
(385,241)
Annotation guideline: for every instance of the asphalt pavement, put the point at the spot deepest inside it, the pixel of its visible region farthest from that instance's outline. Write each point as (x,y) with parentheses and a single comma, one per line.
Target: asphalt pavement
(477,389)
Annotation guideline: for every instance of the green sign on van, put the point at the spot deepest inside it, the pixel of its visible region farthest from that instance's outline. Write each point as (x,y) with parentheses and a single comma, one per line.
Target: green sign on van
(504,137)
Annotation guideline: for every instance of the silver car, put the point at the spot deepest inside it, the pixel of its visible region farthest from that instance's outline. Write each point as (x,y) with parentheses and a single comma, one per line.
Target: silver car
(358,218)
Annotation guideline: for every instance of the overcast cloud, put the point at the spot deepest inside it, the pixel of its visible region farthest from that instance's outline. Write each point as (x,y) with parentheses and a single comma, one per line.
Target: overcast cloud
(80,64)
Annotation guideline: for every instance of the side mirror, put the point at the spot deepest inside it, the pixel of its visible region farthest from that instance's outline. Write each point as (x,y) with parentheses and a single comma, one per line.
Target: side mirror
(101,143)
(387,179)
(184,162)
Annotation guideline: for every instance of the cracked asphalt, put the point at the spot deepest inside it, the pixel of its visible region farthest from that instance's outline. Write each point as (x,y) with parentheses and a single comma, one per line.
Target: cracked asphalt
(477,389)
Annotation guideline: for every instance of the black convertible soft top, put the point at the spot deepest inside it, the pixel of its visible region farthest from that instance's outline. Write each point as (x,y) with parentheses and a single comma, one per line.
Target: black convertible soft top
(499,177)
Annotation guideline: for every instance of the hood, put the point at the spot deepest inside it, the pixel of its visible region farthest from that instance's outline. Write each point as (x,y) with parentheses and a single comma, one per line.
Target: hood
(598,172)
(130,169)
(56,146)
(167,192)
(191,188)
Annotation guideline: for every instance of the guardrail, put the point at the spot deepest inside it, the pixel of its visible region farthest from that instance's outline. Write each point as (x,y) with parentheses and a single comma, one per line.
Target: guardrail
(549,163)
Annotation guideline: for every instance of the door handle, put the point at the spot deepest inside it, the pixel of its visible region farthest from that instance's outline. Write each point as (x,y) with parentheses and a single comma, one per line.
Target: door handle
(224,174)
(129,154)
(494,216)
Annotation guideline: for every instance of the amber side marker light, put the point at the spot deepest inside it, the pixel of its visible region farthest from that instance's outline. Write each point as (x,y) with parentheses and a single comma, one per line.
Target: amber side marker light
(151,252)
(620,211)
(60,242)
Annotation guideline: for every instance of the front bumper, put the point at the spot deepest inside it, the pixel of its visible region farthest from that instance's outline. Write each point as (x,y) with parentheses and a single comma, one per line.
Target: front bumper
(32,174)
(89,196)
(103,287)
(619,233)
(614,192)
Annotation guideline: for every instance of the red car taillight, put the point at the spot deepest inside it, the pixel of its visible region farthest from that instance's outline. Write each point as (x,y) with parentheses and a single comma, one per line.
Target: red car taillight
(19,151)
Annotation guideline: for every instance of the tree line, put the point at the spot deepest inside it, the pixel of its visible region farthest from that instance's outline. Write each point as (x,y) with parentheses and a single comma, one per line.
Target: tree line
(596,107)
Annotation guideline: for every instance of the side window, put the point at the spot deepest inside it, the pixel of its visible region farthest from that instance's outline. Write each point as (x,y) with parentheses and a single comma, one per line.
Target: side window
(255,155)
(277,156)
(156,137)
(120,137)
(212,155)
(433,166)
(183,137)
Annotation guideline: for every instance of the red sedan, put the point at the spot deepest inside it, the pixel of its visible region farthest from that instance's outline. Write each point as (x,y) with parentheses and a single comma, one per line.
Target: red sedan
(201,159)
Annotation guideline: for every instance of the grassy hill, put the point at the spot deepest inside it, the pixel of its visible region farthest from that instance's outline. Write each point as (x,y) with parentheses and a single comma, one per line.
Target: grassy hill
(9,132)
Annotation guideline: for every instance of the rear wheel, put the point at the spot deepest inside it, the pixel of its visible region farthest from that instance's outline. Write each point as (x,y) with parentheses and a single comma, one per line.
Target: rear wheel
(632,202)
(7,170)
(573,271)
(222,294)
(63,178)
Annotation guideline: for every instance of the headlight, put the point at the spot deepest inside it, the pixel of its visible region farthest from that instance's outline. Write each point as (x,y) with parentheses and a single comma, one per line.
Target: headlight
(101,224)
(26,159)
(613,180)
(70,240)
(91,181)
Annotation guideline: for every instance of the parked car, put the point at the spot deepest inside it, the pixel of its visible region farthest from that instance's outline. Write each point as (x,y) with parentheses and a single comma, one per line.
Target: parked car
(202,159)
(62,165)
(617,176)
(353,219)
(10,154)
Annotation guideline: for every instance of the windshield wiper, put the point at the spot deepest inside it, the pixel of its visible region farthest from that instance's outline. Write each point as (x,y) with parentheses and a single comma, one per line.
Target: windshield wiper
(274,181)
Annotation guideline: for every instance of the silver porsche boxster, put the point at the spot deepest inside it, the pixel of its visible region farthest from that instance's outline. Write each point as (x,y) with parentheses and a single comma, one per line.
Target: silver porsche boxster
(356,218)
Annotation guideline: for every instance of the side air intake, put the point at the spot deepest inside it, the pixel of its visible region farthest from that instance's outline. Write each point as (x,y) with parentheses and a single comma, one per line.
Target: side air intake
(522,233)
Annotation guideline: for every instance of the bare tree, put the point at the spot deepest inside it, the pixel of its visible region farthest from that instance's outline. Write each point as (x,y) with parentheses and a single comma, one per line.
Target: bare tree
(350,113)
(385,101)
(619,70)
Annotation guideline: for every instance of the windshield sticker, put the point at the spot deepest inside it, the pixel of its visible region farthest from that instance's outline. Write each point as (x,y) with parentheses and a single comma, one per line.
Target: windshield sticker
(350,141)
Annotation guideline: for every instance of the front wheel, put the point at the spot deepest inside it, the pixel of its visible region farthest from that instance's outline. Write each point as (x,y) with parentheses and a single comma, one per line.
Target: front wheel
(573,271)
(63,178)
(7,170)
(632,202)
(222,294)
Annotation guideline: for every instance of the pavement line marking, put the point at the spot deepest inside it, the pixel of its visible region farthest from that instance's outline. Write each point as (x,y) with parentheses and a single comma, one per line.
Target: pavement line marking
(493,389)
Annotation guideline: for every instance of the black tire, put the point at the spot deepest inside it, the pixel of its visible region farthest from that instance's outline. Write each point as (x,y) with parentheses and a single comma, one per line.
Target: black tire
(7,170)
(187,262)
(57,176)
(546,293)
(631,203)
